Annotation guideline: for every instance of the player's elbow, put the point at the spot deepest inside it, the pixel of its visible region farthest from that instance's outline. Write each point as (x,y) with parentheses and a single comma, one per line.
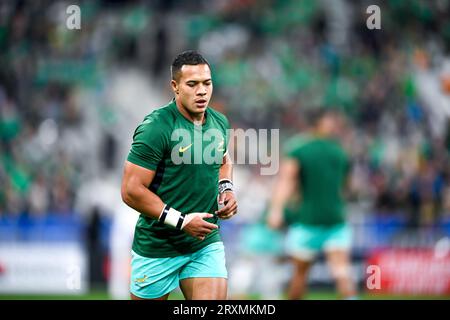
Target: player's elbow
(127,194)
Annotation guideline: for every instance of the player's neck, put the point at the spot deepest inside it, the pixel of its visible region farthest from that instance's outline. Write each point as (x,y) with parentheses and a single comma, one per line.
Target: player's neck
(196,118)
(321,134)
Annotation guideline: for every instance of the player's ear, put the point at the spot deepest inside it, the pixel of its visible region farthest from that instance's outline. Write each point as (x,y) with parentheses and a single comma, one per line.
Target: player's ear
(174,86)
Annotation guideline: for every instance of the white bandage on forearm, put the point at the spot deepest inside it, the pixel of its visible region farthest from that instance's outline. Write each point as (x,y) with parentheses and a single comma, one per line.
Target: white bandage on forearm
(171,217)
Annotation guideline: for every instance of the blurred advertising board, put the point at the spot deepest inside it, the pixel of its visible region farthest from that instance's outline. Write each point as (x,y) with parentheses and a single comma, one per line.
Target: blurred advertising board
(410,271)
(47,268)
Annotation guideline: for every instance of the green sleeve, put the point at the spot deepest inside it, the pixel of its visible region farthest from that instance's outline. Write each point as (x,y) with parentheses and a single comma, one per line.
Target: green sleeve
(149,145)
(292,147)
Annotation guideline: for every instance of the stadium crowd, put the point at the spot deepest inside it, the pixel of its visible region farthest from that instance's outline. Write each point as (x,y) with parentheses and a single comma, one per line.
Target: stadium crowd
(273,62)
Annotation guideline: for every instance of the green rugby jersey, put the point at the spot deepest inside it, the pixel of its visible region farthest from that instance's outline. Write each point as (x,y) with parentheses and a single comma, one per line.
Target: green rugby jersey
(187,159)
(324,166)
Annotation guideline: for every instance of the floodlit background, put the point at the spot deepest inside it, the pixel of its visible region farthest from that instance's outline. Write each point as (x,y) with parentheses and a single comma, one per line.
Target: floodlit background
(70,100)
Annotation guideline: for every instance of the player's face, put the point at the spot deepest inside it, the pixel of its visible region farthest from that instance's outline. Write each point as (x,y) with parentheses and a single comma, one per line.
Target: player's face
(194,87)
(331,124)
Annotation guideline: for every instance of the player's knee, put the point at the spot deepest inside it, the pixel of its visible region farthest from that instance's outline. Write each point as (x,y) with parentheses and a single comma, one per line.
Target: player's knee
(301,269)
(340,271)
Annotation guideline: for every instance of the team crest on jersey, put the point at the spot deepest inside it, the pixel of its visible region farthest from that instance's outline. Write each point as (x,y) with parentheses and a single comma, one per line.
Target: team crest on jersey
(221,147)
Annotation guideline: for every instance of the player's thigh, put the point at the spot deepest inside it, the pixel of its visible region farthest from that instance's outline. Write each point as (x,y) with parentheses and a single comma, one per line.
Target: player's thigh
(154,278)
(205,275)
(204,288)
(164,297)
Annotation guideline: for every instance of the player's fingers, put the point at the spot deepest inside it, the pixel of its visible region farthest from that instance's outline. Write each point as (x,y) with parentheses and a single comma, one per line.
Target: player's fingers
(233,211)
(205,215)
(228,216)
(202,230)
(225,215)
(205,231)
(209,226)
(222,198)
(230,212)
(228,199)
(223,209)
(227,207)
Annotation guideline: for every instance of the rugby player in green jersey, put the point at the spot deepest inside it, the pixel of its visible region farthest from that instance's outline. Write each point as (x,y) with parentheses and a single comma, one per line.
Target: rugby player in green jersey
(177,173)
(315,170)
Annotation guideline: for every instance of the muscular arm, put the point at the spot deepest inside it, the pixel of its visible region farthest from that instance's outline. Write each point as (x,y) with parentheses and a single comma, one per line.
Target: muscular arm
(284,188)
(226,170)
(135,192)
(227,198)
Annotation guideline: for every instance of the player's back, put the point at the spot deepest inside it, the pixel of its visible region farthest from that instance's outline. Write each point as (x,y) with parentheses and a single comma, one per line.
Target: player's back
(323,169)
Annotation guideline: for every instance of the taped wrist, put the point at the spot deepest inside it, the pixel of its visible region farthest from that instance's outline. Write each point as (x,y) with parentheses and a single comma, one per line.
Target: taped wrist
(172,217)
(225,185)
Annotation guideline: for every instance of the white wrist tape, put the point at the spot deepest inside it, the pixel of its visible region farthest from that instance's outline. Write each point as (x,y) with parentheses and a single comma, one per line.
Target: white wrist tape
(172,217)
(225,185)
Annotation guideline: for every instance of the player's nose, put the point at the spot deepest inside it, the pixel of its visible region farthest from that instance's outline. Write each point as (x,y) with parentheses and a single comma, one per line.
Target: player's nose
(202,91)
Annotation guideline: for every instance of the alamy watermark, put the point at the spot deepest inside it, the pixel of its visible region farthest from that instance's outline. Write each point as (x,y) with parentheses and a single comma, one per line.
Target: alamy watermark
(374,20)
(373,281)
(251,146)
(73,21)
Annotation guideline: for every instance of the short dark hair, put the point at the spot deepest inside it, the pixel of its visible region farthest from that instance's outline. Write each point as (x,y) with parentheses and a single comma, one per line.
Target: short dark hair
(189,57)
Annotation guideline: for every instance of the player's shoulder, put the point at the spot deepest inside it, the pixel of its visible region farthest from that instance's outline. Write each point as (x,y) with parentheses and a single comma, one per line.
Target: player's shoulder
(299,141)
(163,115)
(157,121)
(218,116)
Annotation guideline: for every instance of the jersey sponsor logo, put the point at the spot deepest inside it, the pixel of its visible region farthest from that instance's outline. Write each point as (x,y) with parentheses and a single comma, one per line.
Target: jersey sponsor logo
(183,149)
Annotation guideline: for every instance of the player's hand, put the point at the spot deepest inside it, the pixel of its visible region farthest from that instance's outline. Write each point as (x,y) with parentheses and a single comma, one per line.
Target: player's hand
(195,226)
(230,205)
(275,219)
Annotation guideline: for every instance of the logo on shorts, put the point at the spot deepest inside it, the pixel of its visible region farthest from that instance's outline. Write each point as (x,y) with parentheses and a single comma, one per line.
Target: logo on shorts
(141,280)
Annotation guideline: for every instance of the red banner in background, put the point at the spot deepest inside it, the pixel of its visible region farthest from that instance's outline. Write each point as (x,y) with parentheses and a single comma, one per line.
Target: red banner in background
(411,271)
